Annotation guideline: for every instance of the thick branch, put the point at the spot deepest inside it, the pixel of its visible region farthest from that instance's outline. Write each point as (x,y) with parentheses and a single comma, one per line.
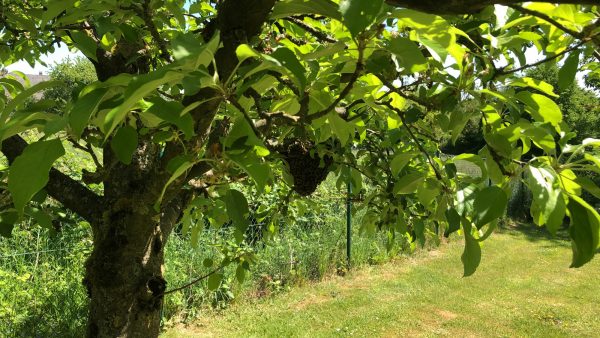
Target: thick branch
(171,215)
(237,23)
(548,19)
(72,194)
(146,14)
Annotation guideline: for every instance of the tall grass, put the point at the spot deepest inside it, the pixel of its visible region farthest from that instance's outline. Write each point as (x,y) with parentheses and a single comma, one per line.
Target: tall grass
(41,294)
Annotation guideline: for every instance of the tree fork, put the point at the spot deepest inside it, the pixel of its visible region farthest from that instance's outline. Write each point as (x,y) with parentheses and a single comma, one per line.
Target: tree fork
(124,274)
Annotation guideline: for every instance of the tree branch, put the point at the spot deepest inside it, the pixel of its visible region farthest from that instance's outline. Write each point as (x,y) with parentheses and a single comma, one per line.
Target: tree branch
(246,116)
(468,6)
(347,89)
(146,14)
(403,94)
(321,36)
(438,175)
(199,279)
(502,71)
(545,17)
(72,194)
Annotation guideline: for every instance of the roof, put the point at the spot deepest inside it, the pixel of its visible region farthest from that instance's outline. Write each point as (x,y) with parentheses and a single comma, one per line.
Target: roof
(33,80)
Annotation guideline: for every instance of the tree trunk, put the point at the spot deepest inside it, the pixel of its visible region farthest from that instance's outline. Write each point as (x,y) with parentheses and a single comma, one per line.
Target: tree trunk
(124,274)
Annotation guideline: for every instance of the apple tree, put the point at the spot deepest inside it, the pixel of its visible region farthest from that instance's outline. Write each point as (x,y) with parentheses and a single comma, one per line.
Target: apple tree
(195,97)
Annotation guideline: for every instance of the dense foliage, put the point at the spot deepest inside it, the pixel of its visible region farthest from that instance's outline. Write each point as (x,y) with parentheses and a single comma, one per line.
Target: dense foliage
(41,270)
(200,104)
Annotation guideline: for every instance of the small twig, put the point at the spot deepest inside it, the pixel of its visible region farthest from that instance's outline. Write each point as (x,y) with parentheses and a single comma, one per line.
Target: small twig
(502,71)
(284,82)
(283,33)
(321,36)
(88,149)
(257,101)
(187,285)
(236,104)
(438,175)
(403,94)
(347,89)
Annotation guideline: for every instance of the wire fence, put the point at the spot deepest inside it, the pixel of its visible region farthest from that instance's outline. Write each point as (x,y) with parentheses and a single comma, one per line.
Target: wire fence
(41,294)
(41,290)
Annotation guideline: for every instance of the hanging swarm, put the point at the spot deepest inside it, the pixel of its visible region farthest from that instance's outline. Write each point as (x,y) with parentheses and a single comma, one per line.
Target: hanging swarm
(307,170)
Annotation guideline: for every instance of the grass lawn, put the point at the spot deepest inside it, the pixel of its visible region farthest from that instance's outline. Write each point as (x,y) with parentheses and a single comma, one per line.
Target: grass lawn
(523,288)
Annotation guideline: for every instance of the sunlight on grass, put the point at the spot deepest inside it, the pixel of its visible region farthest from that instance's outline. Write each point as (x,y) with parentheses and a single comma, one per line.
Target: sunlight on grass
(522,288)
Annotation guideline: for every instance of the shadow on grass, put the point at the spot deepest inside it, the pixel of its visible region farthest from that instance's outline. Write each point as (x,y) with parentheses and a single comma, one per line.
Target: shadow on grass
(534,233)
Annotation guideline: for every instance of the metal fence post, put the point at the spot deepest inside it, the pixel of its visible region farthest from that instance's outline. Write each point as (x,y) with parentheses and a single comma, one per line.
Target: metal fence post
(349,225)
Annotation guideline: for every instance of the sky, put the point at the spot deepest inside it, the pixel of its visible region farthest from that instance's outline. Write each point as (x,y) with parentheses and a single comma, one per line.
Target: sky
(59,55)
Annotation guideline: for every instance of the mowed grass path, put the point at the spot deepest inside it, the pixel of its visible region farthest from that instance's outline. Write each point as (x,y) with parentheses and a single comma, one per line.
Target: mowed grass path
(523,288)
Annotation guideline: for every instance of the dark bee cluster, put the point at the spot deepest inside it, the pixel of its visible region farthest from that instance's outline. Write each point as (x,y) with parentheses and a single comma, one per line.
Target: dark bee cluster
(307,168)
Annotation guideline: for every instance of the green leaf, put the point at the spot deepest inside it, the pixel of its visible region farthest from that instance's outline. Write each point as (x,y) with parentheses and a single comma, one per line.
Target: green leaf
(542,138)
(42,218)
(357,15)
(237,210)
(138,88)
(289,60)
(325,50)
(408,54)
(244,52)
(567,73)
(490,204)
(400,161)
(22,97)
(124,143)
(214,281)
(29,173)
(192,53)
(544,187)
(540,107)
(342,129)
(170,111)
(472,158)
(585,224)
(428,191)
(465,198)
(408,183)
(240,273)
(177,167)
(453,219)
(471,256)
(588,185)
(499,143)
(285,8)
(540,85)
(85,44)
(8,219)
(259,171)
(591,142)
